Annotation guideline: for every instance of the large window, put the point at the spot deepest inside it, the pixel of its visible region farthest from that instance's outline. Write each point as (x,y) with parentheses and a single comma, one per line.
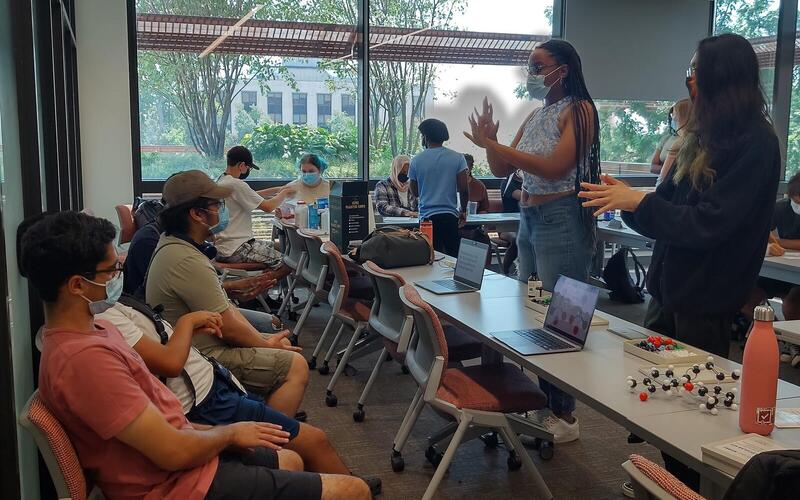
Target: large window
(406,90)
(299,108)
(275,107)
(192,108)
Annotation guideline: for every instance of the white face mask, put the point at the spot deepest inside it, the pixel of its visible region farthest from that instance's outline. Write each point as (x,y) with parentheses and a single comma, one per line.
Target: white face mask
(536,86)
(795,207)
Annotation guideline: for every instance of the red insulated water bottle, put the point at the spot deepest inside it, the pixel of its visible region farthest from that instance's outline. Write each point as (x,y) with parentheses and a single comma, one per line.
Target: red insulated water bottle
(759,375)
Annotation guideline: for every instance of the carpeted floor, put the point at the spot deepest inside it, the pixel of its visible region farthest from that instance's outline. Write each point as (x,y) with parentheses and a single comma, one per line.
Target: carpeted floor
(588,468)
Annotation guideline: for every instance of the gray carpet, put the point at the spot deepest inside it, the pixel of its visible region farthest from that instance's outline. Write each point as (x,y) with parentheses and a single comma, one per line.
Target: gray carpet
(588,468)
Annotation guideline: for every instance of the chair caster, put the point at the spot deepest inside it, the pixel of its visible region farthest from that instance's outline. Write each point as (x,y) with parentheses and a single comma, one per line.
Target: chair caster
(331,400)
(490,440)
(312,363)
(295,300)
(398,464)
(324,369)
(388,357)
(546,450)
(514,462)
(433,456)
(404,369)
(358,415)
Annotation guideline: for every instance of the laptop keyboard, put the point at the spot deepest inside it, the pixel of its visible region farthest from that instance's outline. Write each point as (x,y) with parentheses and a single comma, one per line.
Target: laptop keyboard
(453,285)
(544,339)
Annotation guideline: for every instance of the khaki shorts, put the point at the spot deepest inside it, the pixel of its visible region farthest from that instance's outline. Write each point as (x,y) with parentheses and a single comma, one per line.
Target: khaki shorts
(262,370)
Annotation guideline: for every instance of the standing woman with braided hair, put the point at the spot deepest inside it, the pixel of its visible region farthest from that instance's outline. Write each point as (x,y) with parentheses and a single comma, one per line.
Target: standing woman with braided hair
(557,148)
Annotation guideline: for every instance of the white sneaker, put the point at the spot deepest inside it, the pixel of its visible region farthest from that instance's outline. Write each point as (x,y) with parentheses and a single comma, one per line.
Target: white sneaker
(786,357)
(795,353)
(562,431)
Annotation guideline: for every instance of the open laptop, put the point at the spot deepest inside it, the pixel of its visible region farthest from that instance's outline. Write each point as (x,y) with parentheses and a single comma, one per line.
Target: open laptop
(566,324)
(468,274)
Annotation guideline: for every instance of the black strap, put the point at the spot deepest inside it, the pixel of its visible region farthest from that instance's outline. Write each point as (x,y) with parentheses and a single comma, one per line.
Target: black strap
(641,274)
(154,315)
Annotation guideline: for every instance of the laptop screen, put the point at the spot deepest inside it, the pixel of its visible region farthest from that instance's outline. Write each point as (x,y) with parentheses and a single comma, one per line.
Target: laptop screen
(470,263)
(571,309)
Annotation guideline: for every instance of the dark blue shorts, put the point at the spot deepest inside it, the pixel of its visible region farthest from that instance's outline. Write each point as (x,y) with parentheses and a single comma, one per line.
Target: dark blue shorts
(225,404)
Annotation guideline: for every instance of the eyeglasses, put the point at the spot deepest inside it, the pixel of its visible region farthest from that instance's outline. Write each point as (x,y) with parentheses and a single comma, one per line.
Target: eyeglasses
(691,71)
(220,204)
(536,69)
(114,271)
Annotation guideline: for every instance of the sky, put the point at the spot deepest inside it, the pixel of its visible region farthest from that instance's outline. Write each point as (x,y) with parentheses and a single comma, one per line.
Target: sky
(471,83)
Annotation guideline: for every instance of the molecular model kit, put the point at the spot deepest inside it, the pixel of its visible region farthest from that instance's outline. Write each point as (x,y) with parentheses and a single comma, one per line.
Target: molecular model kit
(687,386)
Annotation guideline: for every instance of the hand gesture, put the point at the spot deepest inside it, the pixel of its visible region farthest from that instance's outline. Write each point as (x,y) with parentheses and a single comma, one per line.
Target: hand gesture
(203,323)
(462,219)
(613,194)
(482,125)
(248,435)
(280,340)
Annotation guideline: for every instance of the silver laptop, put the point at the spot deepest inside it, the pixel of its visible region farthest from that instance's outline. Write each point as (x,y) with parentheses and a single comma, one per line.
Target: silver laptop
(566,324)
(468,274)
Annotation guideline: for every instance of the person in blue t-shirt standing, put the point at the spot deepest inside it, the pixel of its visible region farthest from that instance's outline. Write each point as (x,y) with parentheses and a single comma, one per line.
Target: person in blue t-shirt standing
(438,175)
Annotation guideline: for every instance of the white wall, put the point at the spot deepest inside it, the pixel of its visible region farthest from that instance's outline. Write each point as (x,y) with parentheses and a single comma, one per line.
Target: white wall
(106,150)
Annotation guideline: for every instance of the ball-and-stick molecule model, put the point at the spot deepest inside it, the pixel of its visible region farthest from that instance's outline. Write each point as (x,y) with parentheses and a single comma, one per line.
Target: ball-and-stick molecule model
(687,385)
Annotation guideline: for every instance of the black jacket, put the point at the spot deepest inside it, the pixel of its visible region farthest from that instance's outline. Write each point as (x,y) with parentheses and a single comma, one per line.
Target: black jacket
(710,244)
(773,475)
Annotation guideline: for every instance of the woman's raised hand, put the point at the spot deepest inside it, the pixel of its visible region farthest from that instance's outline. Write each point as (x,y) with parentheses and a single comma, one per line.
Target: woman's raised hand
(482,125)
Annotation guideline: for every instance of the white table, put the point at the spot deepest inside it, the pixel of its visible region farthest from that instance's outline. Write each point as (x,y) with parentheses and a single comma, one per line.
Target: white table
(788,331)
(624,236)
(595,375)
(785,268)
(681,436)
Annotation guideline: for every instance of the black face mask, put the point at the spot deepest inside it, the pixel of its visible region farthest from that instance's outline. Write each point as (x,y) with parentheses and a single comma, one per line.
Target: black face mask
(402,177)
(244,175)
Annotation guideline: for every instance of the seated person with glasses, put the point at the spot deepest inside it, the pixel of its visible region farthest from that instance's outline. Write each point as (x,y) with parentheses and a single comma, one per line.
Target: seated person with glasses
(207,391)
(129,430)
(181,279)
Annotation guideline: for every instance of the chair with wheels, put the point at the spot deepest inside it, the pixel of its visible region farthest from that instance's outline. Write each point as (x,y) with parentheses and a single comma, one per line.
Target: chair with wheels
(57,451)
(295,258)
(390,320)
(475,397)
(314,272)
(350,313)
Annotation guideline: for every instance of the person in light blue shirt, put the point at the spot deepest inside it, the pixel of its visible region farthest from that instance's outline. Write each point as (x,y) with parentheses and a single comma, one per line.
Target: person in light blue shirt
(438,178)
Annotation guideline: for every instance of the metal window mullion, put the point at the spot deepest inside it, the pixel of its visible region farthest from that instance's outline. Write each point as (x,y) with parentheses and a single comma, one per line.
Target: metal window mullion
(784,67)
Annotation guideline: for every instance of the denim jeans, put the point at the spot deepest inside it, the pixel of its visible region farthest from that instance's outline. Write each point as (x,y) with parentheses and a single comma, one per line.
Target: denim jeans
(261,321)
(553,241)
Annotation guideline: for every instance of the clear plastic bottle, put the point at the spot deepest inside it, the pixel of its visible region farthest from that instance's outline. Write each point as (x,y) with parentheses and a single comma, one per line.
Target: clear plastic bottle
(301,215)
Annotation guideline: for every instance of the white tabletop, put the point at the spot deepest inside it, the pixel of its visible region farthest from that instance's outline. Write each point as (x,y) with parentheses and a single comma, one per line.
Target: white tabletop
(502,219)
(682,434)
(596,375)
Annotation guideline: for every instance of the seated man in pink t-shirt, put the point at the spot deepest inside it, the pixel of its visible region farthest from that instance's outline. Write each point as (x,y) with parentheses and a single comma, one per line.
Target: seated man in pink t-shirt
(128,429)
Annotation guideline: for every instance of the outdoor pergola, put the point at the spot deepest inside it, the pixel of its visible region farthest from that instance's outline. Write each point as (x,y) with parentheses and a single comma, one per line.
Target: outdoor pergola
(331,41)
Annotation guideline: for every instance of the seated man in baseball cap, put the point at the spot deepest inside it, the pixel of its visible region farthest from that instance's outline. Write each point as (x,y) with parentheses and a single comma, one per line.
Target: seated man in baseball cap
(236,243)
(181,279)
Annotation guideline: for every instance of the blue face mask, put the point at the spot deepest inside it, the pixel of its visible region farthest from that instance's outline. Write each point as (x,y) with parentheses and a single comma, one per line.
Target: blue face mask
(309,178)
(113,292)
(224,219)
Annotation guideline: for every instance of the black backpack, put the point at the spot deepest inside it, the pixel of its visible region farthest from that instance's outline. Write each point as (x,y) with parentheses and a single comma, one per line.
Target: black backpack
(146,211)
(618,279)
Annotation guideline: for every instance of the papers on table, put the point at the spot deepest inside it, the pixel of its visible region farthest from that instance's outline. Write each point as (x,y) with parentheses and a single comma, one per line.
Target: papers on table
(730,455)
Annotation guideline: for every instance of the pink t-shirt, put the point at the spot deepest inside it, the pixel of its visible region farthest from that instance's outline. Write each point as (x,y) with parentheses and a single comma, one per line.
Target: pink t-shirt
(95,385)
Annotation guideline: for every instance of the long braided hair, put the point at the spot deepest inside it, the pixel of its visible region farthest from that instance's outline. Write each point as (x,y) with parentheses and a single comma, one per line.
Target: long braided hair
(585,121)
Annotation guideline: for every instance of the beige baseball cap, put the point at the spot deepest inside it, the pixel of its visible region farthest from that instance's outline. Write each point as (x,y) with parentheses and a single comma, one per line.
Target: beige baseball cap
(190,185)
